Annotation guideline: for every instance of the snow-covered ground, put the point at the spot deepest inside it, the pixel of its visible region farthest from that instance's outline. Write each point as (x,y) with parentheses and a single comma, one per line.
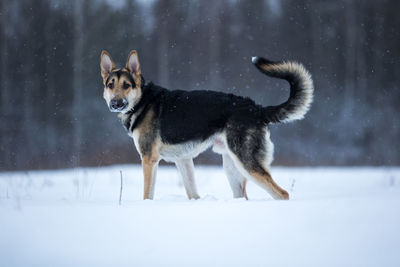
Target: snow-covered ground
(336,217)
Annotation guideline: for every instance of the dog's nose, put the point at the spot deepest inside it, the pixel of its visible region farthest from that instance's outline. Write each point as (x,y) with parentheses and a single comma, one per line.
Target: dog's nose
(117,104)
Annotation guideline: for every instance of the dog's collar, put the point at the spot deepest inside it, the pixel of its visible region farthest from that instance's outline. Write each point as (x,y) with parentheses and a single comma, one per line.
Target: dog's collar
(131,111)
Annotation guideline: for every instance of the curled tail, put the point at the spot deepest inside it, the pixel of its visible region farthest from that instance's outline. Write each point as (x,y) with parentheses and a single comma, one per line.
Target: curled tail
(301,89)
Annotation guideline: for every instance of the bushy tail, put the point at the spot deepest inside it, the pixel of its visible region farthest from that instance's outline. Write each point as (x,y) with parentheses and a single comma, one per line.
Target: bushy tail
(301,89)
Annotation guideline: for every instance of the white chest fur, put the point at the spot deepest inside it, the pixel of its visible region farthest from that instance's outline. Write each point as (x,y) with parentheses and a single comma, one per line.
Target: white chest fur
(135,136)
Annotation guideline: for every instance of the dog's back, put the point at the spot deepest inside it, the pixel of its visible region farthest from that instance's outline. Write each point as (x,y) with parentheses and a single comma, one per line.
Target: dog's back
(196,115)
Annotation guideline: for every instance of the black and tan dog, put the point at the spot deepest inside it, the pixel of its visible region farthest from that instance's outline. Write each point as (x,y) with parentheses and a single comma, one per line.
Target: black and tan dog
(178,125)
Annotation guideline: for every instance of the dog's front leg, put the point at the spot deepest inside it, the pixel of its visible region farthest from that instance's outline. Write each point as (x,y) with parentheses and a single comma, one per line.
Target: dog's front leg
(149,165)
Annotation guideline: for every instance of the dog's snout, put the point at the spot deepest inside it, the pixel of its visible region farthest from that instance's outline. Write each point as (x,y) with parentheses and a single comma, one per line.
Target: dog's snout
(118,104)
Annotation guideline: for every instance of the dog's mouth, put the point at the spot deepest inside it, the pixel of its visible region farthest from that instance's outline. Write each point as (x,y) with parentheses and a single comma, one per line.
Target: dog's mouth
(118,105)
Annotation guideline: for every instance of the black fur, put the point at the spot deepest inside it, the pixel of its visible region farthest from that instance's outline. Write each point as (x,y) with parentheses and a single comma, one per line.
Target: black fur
(120,73)
(196,115)
(248,144)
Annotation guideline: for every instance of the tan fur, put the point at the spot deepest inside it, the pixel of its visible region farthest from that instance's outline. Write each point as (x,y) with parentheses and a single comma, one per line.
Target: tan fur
(266,182)
(148,137)
(149,165)
(117,92)
(150,155)
(145,126)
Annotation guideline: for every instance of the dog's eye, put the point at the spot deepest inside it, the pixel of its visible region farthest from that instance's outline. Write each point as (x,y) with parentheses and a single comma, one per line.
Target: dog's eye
(110,85)
(125,85)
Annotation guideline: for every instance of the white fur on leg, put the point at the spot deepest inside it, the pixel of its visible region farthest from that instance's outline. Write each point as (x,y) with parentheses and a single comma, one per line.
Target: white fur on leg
(186,169)
(235,178)
(153,182)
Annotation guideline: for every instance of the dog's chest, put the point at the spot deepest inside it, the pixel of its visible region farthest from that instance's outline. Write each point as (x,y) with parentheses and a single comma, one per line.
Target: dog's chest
(135,136)
(127,121)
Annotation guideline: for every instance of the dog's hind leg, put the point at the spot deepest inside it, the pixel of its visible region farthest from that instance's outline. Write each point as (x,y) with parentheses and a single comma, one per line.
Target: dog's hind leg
(235,178)
(251,151)
(186,169)
(261,177)
(265,180)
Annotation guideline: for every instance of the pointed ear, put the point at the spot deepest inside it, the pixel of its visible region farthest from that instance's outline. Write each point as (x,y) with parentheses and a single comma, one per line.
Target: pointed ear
(106,64)
(132,64)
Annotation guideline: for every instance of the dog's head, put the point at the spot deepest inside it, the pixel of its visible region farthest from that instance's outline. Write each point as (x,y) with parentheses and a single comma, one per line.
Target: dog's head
(122,87)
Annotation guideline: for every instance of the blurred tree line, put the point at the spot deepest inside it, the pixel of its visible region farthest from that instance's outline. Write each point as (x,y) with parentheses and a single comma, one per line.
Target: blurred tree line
(53,114)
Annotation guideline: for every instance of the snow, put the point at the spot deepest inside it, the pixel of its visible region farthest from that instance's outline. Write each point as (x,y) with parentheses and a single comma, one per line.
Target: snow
(336,217)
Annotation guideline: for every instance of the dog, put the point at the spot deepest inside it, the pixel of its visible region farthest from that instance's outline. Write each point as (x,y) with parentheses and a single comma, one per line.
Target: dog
(176,125)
